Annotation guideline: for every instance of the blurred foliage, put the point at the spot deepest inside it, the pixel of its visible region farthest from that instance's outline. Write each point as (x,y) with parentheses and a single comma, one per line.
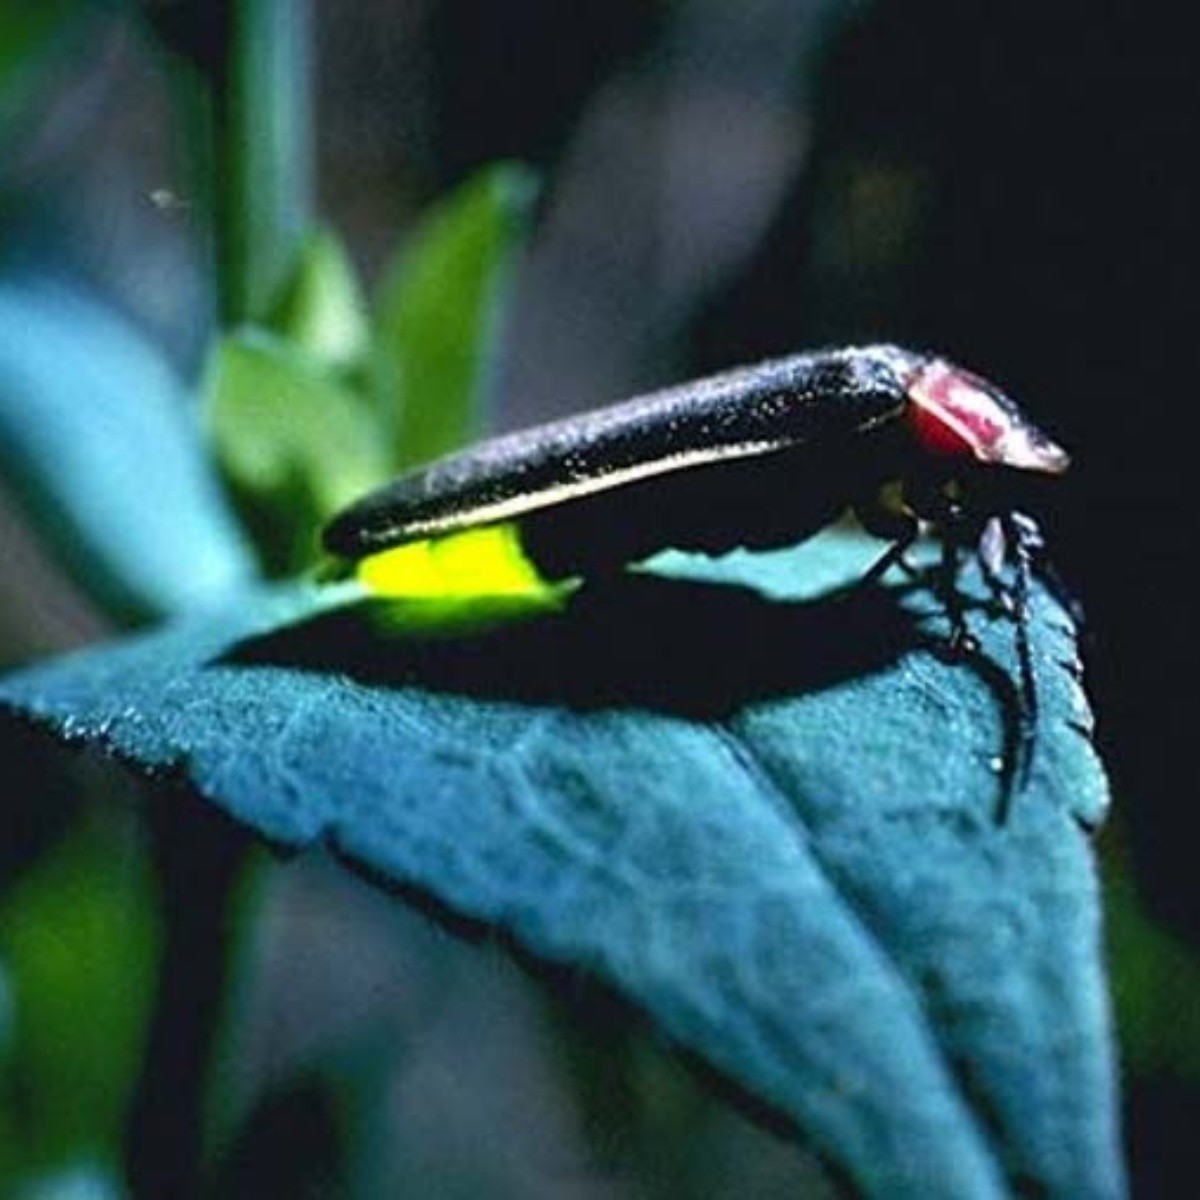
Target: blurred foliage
(322,308)
(1155,976)
(78,939)
(97,440)
(31,33)
(262,90)
(295,439)
(328,404)
(439,310)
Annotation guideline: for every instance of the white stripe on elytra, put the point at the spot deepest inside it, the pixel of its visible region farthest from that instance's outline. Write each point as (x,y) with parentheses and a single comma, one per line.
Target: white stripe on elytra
(515,506)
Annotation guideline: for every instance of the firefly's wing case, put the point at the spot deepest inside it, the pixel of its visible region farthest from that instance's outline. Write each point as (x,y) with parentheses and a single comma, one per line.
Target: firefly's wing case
(750,411)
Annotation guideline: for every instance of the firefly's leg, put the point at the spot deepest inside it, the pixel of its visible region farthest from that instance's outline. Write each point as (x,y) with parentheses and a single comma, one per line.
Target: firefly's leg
(992,555)
(900,528)
(891,557)
(962,641)
(1026,539)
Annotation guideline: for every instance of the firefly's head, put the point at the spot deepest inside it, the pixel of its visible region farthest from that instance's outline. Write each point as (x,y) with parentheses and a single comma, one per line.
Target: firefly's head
(956,415)
(974,453)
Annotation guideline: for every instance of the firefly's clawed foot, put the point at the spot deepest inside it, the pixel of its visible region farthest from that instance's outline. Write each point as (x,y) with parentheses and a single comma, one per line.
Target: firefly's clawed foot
(963,643)
(893,556)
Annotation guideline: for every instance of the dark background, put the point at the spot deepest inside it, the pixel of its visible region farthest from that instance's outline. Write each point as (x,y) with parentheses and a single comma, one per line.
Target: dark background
(1008,184)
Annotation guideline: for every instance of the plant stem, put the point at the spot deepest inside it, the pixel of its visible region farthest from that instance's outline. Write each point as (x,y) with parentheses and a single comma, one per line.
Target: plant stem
(204,865)
(264,151)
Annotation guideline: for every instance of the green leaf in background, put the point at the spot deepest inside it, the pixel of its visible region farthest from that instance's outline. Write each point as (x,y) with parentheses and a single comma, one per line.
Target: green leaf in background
(295,441)
(1152,971)
(323,309)
(761,806)
(30,33)
(98,439)
(438,310)
(78,937)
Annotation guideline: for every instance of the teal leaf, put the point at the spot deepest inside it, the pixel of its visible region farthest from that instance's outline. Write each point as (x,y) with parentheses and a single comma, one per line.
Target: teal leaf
(761,805)
(98,438)
(439,308)
(295,441)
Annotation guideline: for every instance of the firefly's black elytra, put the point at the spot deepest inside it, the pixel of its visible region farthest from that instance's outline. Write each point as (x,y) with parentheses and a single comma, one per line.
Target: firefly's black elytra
(760,456)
